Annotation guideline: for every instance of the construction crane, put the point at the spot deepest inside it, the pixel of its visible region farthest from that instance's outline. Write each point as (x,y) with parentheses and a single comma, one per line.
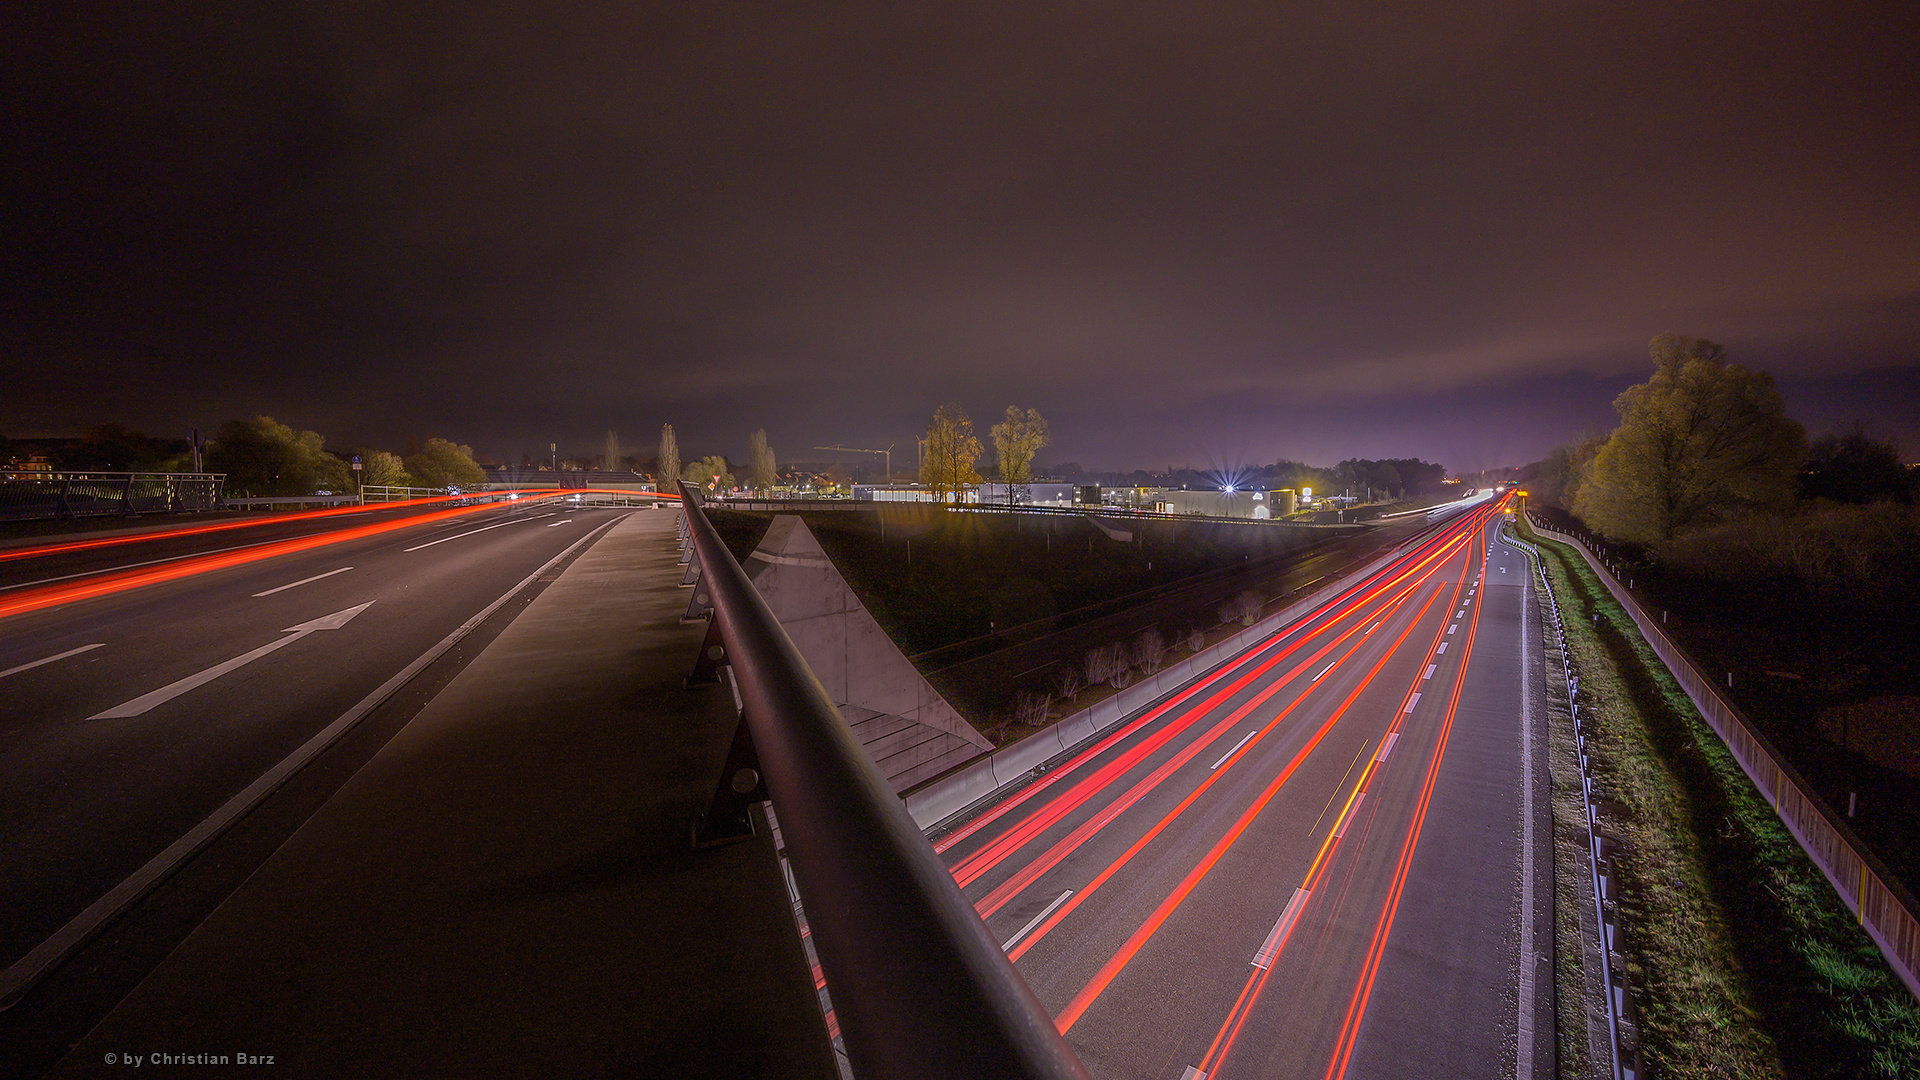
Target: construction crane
(887,453)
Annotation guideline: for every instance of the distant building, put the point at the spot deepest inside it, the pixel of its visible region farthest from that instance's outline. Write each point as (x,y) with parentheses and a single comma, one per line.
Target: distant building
(1257,505)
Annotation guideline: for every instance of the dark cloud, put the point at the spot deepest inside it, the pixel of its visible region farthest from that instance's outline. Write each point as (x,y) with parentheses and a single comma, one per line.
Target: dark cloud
(1316,232)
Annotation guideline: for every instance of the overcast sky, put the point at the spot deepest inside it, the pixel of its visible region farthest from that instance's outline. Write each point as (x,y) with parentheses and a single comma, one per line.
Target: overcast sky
(1194,233)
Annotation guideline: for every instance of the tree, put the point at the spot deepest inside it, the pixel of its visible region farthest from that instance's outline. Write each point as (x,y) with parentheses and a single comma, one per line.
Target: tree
(760,462)
(1015,441)
(669,461)
(445,464)
(1855,468)
(1563,470)
(263,457)
(951,450)
(710,473)
(379,467)
(1699,442)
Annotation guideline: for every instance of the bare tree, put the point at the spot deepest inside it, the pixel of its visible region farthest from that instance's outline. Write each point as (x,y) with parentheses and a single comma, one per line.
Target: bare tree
(1097,665)
(1107,664)
(1067,680)
(669,474)
(1149,648)
(1248,606)
(1030,707)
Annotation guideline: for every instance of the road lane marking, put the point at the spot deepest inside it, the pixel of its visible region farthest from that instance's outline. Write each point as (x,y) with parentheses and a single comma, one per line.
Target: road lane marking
(1452,628)
(1370,629)
(1324,670)
(302,581)
(1236,748)
(146,702)
(1411,702)
(1386,747)
(470,532)
(563,521)
(1429,673)
(25,972)
(1281,925)
(1340,830)
(1443,646)
(1035,921)
(49,659)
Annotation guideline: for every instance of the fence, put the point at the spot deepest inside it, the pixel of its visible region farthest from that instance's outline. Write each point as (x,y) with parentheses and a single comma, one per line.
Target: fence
(31,495)
(1883,905)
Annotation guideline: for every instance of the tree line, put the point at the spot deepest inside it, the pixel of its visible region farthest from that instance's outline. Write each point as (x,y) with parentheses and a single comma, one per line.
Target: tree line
(1706,473)
(263,457)
(1705,442)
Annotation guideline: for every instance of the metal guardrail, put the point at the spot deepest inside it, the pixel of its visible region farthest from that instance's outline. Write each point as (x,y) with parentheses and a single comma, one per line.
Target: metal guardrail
(1626,1058)
(919,985)
(29,495)
(385,493)
(1885,909)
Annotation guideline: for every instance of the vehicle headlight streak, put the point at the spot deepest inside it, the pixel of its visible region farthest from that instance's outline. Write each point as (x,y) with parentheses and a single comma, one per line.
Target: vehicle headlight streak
(1412,564)
(107,583)
(1214,1060)
(1114,965)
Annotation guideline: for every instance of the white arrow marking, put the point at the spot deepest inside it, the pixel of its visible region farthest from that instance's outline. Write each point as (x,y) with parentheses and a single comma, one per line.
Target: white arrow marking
(167,693)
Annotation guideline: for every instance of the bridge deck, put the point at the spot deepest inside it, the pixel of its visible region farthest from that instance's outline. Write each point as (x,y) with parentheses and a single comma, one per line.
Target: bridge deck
(506,889)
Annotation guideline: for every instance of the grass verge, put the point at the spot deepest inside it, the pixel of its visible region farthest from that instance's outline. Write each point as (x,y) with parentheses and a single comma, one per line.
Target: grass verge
(1742,961)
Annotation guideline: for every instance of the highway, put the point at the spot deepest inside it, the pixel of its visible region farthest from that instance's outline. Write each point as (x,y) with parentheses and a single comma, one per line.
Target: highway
(1309,863)
(149,684)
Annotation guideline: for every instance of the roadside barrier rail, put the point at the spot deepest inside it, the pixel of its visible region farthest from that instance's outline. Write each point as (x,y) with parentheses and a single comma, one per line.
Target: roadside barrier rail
(1626,1060)
(28,494)
(919,985)
(1883,905)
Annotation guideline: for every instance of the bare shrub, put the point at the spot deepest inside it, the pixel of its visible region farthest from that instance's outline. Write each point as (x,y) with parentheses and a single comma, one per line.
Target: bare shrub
(1030,707)
(1149,648)
(1196,639)
(1248,605)
(1227,612)
(1097,664)
(1067,680)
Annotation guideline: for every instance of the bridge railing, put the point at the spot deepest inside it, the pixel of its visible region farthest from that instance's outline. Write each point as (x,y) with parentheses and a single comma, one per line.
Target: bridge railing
(27,495)
(919,986)
(1885,909)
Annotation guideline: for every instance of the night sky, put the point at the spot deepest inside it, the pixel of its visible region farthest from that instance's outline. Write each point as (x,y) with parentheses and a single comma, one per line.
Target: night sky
(1195,233)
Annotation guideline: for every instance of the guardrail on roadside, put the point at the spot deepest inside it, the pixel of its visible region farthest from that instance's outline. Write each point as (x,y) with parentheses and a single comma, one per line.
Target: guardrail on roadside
(1885,909)
(1626,1058)
(919,986)
(28,495)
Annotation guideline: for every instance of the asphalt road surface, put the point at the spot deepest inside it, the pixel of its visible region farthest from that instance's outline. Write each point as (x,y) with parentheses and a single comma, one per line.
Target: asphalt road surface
(1314,862)
(129,716)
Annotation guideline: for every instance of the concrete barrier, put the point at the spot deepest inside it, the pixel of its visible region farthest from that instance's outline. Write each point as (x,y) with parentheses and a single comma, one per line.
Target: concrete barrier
(1875,896)
(949,794)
